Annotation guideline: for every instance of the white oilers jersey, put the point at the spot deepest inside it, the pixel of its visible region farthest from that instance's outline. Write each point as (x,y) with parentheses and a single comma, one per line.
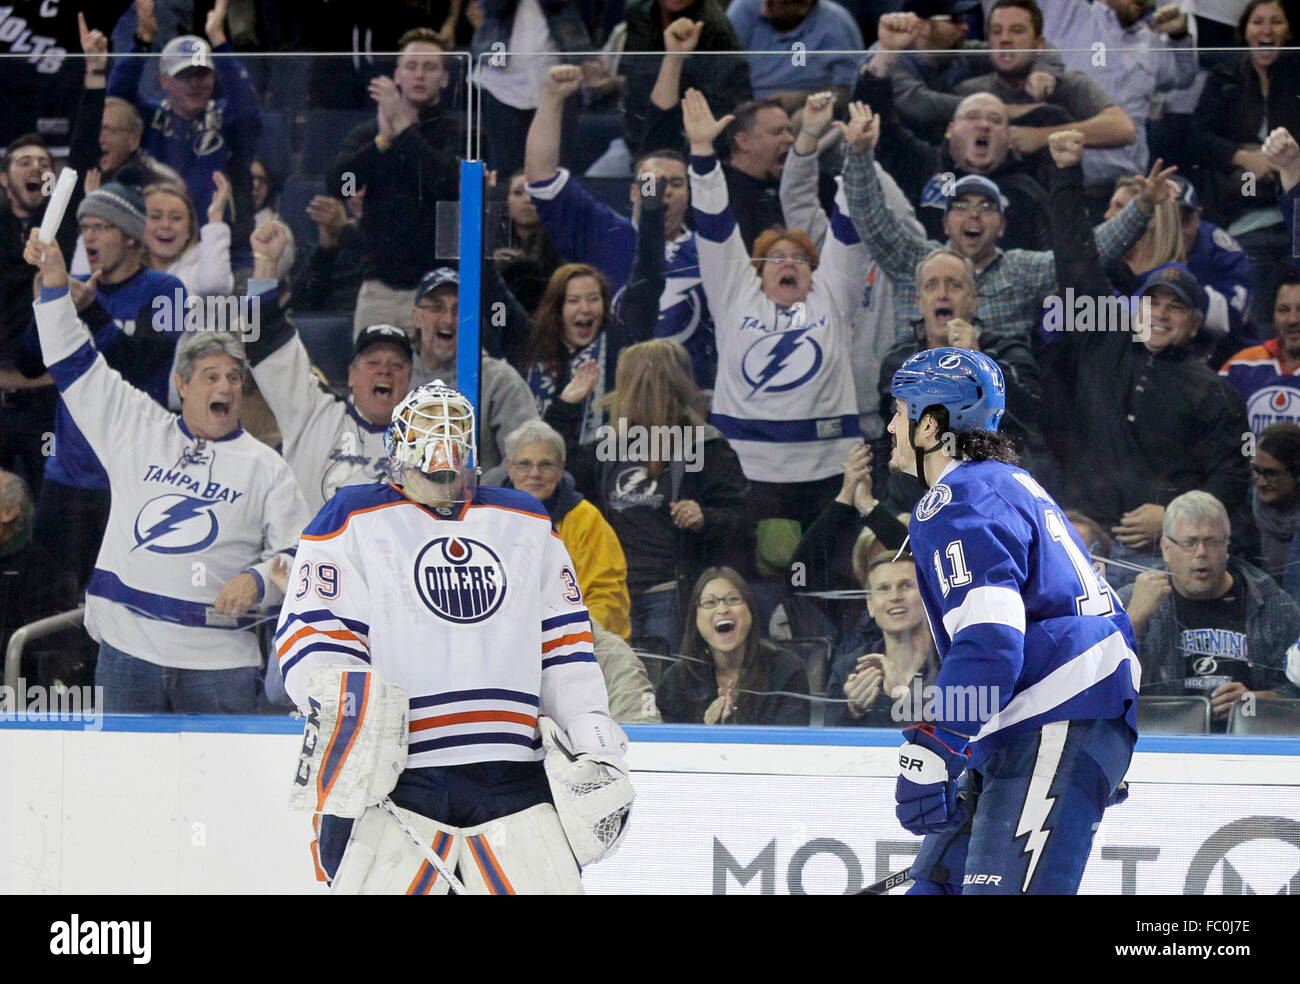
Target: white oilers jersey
(475,611)
(187,514)
(784,394)
(327,443)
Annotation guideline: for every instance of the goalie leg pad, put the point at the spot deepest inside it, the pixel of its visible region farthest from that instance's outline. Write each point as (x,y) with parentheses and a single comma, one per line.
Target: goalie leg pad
(381,860)
(525,853)
(354,741)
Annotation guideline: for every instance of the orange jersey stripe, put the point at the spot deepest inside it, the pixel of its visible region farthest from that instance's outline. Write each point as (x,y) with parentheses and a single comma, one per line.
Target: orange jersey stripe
(472,717)
(308,630)
(567,640)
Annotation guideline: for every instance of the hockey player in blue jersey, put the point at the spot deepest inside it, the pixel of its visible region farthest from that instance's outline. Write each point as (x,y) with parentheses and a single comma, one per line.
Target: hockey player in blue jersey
(1036,697)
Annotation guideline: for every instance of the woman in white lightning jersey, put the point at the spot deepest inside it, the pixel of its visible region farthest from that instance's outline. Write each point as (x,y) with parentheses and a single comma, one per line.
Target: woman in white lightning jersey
(466,600)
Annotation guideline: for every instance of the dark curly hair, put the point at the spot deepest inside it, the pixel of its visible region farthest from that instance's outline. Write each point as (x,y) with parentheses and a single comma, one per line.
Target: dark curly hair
(976,445)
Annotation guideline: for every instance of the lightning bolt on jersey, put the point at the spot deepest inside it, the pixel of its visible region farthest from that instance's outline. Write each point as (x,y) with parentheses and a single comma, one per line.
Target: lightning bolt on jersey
(1268,382)
(187,514)
(1028,632)
(784,395)
(326,442)
(475,611)
(587,231)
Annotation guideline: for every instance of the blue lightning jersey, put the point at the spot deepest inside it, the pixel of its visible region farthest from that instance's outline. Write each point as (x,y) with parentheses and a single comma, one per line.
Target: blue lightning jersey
(1028,632)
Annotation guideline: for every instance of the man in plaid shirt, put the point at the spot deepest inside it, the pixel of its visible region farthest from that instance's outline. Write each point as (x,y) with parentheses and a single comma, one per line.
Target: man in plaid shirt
(1012,283)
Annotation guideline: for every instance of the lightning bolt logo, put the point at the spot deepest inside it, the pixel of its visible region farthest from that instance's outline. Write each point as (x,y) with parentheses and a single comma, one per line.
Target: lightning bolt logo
(778,357)
(1038,804)
(174,513)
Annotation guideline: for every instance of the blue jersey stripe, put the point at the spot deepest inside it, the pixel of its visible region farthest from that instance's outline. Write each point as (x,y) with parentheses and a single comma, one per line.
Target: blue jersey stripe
(479,738)
(568,658)
(785,431)
(490,693)
(559,620)
(161,608)
(321,615)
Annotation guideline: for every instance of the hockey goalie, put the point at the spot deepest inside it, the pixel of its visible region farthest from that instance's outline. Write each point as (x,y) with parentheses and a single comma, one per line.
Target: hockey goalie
(433,633)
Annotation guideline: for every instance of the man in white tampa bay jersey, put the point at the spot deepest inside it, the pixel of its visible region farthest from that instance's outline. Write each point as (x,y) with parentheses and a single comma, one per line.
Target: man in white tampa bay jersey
(329,441)
(1037,690)
(466,599)
(199,510)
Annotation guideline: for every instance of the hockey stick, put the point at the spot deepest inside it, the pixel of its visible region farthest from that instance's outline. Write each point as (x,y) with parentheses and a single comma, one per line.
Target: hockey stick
(438,863)
(883,886)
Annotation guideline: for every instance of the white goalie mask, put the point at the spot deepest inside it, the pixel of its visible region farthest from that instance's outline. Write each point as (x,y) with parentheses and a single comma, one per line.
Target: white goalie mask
(433,432)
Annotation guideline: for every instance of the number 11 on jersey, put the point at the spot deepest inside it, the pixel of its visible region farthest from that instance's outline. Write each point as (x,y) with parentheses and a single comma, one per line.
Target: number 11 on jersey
(961,575)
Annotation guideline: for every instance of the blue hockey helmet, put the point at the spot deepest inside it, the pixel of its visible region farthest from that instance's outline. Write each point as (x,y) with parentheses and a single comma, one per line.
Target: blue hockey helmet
(969,385)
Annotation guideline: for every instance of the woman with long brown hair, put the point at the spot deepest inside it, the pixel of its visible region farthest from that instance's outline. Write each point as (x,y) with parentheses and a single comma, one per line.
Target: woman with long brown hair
(728,673)
(577,322)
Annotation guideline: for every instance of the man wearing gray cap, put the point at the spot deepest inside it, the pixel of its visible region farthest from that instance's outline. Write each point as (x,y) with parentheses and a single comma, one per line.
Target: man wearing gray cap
(189,130)
(505,402)
(121,303)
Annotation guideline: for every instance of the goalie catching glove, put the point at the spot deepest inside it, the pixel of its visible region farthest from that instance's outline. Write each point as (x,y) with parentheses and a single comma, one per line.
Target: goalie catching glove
(354,741)
(589,783)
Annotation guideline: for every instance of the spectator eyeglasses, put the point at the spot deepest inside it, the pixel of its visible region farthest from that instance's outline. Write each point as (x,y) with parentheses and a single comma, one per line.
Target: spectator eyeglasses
(545,467)
(781,258)
(1267,474)
(731,601)
(1192,543)
(983,205)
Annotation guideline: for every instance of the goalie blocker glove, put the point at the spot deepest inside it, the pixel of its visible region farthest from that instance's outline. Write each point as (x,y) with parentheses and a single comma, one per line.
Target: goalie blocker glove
(353,743)
(589,783)
(929,763)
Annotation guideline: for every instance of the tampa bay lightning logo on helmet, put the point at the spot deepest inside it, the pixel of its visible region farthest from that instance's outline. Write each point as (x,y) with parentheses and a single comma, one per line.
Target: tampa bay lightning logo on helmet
(781,361)
(460,579)
(175,524)
(969,385)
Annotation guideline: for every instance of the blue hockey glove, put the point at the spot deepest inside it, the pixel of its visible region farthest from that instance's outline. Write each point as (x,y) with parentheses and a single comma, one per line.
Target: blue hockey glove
(929,763)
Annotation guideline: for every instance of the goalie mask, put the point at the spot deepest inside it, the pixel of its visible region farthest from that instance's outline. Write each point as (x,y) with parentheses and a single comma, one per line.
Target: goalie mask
(433,433)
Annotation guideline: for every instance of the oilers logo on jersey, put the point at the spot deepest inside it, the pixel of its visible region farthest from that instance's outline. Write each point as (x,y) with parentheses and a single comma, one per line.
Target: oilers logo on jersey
(1271,405)
(175,524)
(781,361)
(460,579)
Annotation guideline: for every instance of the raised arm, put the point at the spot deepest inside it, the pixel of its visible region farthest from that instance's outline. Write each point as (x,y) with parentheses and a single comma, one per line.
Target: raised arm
(896,248)
(724,262)
(542,145)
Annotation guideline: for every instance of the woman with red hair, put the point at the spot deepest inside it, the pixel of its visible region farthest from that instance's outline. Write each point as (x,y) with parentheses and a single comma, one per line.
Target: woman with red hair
(784,396)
